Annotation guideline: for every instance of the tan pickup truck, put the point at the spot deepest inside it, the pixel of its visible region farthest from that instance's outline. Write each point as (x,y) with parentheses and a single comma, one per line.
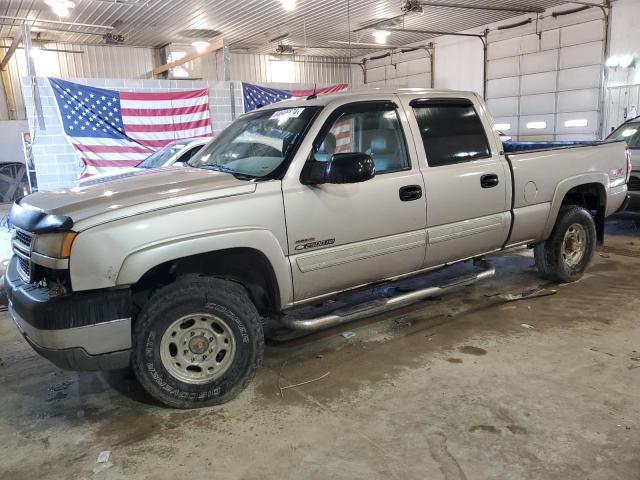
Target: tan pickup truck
(173,271)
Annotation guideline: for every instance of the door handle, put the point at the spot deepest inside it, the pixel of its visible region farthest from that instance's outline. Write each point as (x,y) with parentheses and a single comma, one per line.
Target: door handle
(489,181)
(410,193)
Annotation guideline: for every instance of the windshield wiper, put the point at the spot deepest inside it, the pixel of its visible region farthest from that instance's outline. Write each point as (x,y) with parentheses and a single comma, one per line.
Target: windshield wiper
(224,169)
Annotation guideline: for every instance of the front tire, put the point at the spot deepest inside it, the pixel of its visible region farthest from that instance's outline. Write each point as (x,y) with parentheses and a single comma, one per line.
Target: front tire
(198,342)
(566,254)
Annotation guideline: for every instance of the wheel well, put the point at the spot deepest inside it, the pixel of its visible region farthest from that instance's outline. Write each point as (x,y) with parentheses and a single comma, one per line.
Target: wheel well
(246,266)
(593,197)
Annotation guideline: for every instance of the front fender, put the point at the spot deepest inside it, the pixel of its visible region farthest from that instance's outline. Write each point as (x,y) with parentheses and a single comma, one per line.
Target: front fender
(140,261)
(563,188)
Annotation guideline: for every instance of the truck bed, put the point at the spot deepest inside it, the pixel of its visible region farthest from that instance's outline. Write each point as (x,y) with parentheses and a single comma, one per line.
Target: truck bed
(513,147)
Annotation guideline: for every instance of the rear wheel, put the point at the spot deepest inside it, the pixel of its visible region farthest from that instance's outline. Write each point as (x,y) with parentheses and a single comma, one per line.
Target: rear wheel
(565,255)
(197,343)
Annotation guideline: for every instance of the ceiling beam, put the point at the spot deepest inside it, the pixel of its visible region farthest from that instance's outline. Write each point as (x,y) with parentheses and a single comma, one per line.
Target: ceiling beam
(217,45)
(378,23)
(56,22)
(15,43)
(434,32)
(494,8)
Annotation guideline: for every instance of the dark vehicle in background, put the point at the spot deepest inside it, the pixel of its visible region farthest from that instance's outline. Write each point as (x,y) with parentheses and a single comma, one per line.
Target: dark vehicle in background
(629,131)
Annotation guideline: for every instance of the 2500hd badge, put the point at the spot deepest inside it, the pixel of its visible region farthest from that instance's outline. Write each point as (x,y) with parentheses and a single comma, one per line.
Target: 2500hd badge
(307,243)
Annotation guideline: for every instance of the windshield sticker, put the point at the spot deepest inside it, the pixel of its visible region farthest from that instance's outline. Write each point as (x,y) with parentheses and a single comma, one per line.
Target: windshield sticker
(286,114)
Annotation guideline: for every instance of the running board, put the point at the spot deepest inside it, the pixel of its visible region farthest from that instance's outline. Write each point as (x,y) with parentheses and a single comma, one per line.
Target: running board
(374,307)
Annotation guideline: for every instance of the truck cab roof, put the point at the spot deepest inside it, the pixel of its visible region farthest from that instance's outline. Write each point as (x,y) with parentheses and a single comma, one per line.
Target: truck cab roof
(362,95)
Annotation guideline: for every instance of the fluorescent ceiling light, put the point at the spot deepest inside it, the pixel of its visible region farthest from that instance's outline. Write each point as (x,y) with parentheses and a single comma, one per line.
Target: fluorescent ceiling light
(503,126)
(381,36)
(537,125)
(628,132)
(60,7)
(289,5)
(201,46)
(579,122)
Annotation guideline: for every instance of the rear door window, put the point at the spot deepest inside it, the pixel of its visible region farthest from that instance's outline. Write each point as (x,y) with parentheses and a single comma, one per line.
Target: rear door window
(451,132)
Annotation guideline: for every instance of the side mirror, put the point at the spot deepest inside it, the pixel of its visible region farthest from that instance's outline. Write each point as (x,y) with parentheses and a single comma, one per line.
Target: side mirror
(354,167)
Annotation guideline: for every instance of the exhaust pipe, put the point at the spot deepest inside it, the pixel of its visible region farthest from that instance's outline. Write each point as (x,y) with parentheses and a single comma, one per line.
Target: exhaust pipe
(374,307)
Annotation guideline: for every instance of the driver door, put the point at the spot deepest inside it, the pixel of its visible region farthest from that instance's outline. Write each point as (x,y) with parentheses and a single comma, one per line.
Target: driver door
(342,236)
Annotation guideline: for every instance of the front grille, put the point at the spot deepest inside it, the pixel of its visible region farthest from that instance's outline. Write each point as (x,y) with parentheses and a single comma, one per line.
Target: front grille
(22,247)
(634,183)
(24,238)
(24,269)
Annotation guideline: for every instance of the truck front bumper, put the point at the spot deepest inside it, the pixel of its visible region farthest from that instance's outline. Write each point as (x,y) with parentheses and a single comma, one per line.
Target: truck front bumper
(82,331)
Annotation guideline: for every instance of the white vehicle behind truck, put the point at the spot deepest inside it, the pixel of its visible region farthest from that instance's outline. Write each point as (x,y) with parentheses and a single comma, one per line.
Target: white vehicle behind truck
(173,271)
(177,153)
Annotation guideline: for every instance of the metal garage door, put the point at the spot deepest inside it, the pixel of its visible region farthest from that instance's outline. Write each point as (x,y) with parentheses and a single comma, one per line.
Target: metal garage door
(548,86)
(410,69)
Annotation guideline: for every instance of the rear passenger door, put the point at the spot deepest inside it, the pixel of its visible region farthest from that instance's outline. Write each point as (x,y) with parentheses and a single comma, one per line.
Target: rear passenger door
(467,184)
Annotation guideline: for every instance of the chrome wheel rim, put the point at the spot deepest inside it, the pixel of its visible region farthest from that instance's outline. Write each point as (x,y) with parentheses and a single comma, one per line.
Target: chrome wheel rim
(197,348)
(574,245)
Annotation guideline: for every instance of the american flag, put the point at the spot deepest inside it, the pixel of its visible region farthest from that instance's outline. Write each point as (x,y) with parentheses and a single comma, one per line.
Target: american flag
(256,96)
(111,129)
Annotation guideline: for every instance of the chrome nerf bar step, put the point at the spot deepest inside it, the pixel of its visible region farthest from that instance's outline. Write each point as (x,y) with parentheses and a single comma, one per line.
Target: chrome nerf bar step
(375,307)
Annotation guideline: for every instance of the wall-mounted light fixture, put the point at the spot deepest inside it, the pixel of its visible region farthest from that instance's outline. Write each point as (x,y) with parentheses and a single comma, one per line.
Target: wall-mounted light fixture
(623,61)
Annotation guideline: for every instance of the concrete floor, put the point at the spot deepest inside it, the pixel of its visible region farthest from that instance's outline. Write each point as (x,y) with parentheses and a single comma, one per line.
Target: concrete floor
(454,388)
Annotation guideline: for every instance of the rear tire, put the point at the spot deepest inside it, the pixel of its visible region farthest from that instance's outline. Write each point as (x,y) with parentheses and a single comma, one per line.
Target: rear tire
(198,342)
(566,254)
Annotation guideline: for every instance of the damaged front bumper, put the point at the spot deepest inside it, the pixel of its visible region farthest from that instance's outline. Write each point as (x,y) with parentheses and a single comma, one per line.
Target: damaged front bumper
(82,331)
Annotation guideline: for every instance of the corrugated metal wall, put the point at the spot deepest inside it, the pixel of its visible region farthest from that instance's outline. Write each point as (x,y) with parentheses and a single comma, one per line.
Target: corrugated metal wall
(269,69)
(91,62)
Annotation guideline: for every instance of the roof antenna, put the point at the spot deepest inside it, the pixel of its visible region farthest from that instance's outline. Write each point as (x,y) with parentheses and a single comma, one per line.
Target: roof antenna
(313,96)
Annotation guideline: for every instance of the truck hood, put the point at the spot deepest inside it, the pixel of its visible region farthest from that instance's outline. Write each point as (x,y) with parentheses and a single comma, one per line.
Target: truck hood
(134,192)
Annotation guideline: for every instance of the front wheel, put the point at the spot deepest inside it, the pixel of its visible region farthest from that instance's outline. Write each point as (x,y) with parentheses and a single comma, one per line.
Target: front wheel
(566,254)
(198,342)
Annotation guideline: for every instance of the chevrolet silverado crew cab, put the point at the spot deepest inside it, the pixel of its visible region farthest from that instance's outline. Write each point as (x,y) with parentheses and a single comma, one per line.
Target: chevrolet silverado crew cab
(173,271)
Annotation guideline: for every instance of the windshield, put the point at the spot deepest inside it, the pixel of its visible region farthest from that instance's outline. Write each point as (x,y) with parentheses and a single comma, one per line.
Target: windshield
(162,156)
(256,144)
(629,132)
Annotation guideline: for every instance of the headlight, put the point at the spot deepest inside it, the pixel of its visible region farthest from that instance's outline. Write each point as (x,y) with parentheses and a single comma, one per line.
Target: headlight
(56,245)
